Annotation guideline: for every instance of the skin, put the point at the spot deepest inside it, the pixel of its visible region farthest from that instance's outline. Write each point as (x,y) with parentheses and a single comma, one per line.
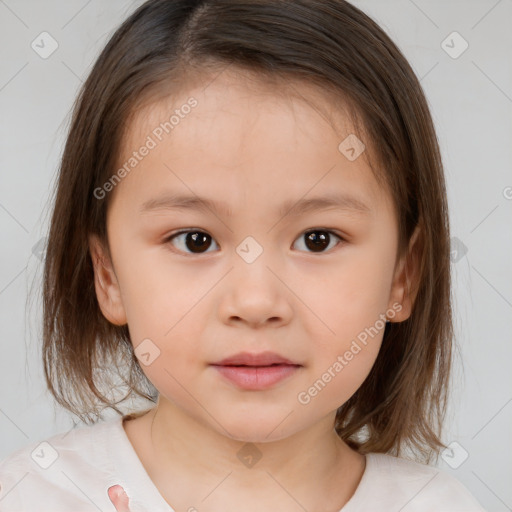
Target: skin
(252,147)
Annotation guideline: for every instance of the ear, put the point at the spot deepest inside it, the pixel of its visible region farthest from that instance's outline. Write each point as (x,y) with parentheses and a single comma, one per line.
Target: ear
(107,288)
(407,278)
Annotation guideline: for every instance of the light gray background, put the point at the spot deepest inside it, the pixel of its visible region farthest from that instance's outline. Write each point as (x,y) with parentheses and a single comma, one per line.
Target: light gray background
(471,102)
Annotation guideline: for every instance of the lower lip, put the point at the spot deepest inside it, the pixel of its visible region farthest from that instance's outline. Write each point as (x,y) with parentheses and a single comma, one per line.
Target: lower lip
(256,377)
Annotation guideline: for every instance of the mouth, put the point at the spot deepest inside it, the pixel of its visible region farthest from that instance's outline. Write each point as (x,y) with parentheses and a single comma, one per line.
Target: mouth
(256,360)
(256,371)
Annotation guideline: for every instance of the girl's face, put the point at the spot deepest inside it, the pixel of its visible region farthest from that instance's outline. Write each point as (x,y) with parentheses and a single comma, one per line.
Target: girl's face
(262,269)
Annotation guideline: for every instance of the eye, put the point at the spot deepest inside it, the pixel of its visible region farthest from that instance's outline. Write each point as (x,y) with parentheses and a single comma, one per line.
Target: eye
(198,242)
(318,239)
(194,240)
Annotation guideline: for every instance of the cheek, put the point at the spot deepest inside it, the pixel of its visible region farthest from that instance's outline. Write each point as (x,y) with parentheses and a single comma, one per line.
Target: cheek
(347,295)
(166,332)
(335,381)
(159,297)
(173,357)
(345,353)
(346,332)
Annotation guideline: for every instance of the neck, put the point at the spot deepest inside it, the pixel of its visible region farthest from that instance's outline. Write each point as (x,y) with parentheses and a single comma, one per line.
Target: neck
(187,459)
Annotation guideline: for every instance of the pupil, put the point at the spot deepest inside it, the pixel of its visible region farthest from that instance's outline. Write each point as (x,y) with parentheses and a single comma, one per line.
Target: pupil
(317,242)
(197,240)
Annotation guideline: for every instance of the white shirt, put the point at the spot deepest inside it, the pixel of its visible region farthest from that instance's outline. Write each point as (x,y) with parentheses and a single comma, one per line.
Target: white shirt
(71,472)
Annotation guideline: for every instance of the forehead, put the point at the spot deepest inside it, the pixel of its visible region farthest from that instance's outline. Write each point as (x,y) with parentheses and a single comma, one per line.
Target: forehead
(286,133)
(244,98)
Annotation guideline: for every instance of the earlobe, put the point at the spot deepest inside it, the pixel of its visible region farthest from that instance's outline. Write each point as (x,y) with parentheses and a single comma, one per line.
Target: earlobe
(407,279)
(106,284)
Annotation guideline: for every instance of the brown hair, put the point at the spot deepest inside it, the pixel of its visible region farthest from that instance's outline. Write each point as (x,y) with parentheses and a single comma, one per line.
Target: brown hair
(331,44)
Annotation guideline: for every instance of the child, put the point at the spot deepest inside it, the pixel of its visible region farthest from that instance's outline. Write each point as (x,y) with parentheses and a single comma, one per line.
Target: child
(250,230)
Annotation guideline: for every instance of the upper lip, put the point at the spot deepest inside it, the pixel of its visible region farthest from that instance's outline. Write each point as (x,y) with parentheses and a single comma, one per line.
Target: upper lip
(248,359)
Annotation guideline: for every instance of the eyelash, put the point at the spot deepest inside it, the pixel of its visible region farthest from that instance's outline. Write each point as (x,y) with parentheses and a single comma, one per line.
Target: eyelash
(169,239)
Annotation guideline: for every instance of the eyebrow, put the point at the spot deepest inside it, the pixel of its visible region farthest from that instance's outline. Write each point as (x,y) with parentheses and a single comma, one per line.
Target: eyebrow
(301,206)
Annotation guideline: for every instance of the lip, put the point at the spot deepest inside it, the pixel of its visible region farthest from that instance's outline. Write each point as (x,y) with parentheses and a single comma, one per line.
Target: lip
(256,378)
(261,359)
(256,371)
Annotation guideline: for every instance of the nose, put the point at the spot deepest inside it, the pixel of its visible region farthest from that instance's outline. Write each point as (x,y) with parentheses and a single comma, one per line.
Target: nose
(256,295)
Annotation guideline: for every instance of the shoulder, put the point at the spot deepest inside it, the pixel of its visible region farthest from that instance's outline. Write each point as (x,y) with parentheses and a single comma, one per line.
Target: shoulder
(419,488)
(62,471)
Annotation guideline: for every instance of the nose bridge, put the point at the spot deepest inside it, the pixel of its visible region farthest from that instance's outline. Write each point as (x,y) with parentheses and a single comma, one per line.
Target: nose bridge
(255,294)
(253,258)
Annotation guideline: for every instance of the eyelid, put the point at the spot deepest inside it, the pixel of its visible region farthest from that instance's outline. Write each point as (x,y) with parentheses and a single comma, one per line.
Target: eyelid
(201,230)
(343,238)
(331,231)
